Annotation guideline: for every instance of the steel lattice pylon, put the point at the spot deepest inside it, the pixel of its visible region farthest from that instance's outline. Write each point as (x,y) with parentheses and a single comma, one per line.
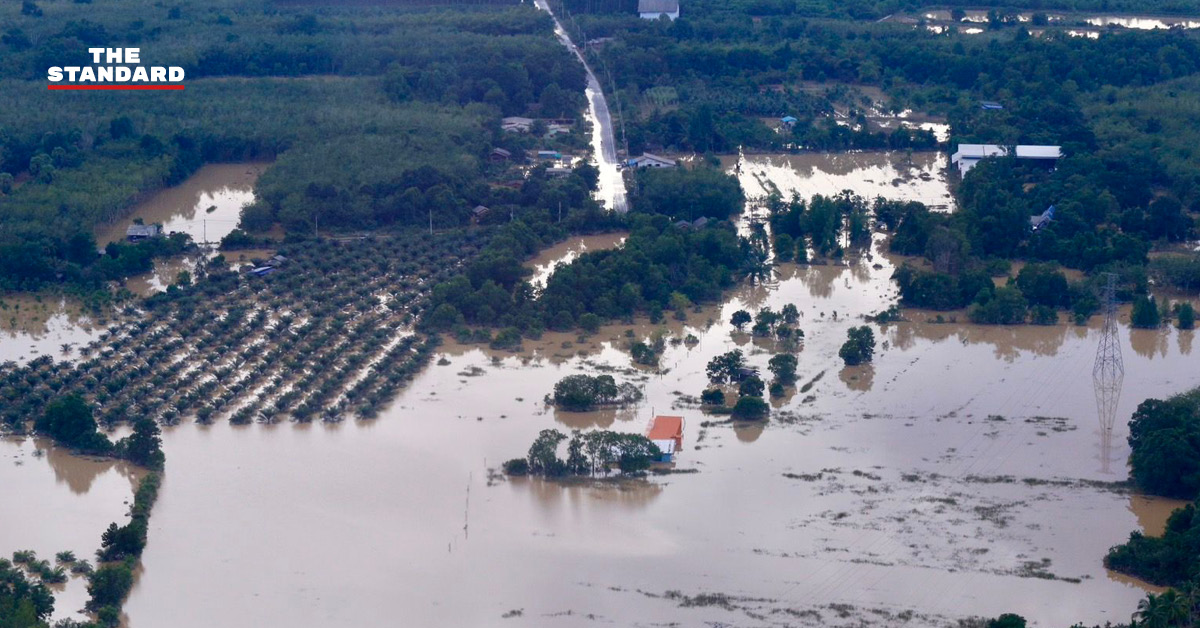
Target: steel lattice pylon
(1108,373)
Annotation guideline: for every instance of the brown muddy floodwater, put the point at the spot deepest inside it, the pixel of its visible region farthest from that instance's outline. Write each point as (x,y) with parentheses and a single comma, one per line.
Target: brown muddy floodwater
(54,502)
(32,326)
(894,175)
(962,473)
(206,206)
(564,252)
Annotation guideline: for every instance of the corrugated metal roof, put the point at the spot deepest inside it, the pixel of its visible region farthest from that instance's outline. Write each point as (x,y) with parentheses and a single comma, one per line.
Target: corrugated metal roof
(658,6)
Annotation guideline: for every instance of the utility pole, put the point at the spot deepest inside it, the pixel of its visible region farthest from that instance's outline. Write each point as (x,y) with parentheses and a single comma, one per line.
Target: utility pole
(1108,373)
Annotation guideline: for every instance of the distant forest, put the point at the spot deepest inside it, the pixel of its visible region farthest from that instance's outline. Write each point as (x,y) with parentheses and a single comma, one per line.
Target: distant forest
(375,116)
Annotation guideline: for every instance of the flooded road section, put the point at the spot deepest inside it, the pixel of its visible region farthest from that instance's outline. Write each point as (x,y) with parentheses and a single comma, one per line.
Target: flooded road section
(611,190)
(57,502)
(207,206)
(894,175)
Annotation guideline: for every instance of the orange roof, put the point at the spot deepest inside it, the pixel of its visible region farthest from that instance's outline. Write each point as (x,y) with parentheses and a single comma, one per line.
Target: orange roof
(666,427)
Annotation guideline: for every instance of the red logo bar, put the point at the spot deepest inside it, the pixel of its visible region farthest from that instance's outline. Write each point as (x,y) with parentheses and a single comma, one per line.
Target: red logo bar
(114,87)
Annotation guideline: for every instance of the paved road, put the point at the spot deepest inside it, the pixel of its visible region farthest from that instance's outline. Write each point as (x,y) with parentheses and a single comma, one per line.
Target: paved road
(604,143)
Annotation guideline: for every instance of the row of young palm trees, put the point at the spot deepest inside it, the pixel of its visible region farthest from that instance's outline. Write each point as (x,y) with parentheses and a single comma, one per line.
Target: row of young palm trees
(325,335)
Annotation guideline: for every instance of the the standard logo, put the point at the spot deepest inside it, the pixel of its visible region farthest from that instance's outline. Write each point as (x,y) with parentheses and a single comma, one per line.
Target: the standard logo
(115,76)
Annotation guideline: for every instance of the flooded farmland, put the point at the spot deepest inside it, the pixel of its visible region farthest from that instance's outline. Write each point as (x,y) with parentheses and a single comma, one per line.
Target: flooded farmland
(863,496)
(207,206)
(962,473)
(919,176)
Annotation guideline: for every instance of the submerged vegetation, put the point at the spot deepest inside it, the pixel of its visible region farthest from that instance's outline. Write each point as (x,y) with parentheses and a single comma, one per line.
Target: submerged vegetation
(588,453)
(585,392)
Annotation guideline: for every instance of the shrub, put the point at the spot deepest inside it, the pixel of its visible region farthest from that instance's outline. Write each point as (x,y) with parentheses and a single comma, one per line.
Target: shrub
(750,409)
(516,466)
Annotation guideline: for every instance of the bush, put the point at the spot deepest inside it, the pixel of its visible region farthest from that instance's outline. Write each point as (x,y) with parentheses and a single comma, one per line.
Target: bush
(713,397)
(750,409)
(516,466)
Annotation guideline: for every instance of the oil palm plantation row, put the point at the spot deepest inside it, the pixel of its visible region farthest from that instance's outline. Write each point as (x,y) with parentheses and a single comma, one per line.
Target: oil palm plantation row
(325,335)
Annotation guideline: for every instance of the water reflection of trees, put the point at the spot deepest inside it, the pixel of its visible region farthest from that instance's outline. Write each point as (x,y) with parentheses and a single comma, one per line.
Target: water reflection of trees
(1185,342)
(603,418)
(1148,342)
(858,378)
(625,493)
(79,473)
(1009,340)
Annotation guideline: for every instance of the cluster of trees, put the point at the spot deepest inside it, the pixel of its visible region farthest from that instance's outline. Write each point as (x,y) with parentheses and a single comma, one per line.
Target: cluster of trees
(659,267)
(23,603)
(731,369)
(826,224)
(1172,559)
(768,323)
(1164,436)
(588,453)
(69,421)
(579,393)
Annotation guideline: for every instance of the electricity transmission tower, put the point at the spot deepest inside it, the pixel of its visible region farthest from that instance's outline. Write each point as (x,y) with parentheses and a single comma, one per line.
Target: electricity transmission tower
(1108,373)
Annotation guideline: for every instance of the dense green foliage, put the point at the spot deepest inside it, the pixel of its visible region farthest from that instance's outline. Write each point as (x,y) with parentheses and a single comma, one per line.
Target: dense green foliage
(68,420)
(23,604)
(1164,436)
(859,346)
(1170,560)
(143,446)
(588,453)
(660,266)
(375,116)
(585,392)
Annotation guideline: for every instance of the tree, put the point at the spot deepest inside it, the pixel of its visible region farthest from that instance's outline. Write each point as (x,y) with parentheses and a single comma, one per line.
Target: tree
(790,314)
(751,386)
(1186,316)
(144,446)
(69,421)
(783,366)
(712,397)
(726,368)
(109,585)
(543,454)
(859,346)
(1145,313)
(584,392)
(740,318)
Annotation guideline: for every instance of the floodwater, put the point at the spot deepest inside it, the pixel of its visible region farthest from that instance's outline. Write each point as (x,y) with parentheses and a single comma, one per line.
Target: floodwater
(962,473)
(207,206)
(912,485)
(611,188)
(56,502)
(1144,23)
(918,176)
(31,327)
(564,252)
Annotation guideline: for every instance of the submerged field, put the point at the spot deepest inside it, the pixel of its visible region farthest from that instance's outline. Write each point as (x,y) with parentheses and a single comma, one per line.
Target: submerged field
(962,474)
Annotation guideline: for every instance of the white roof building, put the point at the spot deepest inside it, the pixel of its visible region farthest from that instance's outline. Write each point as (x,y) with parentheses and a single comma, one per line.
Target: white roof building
(647,160)
(970,154)
(654,9)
